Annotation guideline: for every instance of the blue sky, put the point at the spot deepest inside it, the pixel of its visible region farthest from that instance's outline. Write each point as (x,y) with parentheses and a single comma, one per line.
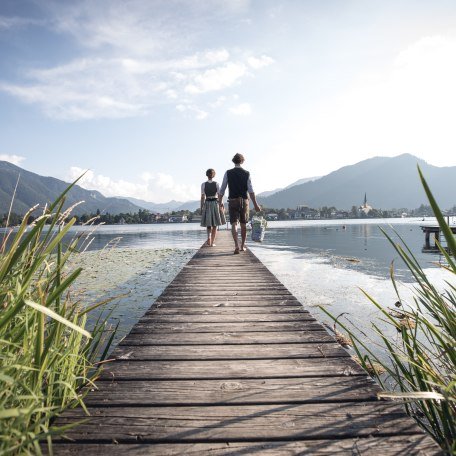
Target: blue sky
(148,94)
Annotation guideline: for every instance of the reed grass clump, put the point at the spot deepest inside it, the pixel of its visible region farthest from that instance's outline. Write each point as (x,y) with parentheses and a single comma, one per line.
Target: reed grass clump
(46,354)
(419,367)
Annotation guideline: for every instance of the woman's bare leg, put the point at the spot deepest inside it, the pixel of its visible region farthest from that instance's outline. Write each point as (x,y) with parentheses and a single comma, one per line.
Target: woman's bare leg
(213,234)
(208,229)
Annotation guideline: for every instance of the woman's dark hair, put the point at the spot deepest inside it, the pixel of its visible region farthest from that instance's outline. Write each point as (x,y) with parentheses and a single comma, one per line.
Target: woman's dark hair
(238,159)
(210,173)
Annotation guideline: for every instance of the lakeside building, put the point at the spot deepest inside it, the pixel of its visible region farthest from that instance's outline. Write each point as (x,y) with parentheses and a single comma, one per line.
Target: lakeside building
(178,219)
(307,213)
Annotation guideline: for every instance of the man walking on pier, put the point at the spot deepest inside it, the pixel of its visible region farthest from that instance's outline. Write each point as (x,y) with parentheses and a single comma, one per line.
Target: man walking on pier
(240,187)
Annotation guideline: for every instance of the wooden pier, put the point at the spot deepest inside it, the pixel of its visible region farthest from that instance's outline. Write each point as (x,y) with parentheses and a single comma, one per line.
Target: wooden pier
(228,362)
(435,230)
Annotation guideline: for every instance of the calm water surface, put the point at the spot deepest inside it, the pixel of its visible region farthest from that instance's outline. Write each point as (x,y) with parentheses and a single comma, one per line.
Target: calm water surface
(322,263)
(349,244)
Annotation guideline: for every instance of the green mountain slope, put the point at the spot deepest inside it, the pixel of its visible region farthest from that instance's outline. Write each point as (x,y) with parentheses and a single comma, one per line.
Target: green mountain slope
(35,189)
(389,183)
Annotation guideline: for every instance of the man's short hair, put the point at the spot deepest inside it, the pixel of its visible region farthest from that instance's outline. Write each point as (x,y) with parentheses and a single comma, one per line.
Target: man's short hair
(238,159)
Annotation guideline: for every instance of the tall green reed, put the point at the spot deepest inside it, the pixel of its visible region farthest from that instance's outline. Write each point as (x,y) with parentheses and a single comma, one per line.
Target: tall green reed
(419,368)
(46,355)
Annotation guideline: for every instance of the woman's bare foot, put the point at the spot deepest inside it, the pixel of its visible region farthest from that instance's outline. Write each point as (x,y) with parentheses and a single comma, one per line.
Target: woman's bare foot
(236,251)
(243,248)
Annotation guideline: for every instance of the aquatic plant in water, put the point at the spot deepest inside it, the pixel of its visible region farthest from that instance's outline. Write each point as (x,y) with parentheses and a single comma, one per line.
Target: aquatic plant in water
(419,368)
(46,354)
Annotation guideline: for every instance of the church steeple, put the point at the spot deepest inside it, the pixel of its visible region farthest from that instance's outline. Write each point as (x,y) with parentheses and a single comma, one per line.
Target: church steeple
(365,208)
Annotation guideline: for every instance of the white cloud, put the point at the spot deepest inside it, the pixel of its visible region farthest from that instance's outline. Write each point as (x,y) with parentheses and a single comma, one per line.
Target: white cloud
(154,187)
(134,57)
(193,110)
(216,79)
(218,102)
(10,22)
(14,159)
(242,109)
(140,27)
(92,88)
(260,62)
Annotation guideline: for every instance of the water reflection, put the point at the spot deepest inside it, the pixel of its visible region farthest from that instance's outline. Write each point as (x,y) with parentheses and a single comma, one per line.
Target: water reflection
(361,246)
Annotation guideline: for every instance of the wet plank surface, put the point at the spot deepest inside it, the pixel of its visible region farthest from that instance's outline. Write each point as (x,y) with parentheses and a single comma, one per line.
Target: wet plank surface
(228,362)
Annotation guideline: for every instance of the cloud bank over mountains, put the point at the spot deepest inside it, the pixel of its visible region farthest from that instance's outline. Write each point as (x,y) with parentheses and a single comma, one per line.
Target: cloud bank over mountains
(14,159)
(156,187)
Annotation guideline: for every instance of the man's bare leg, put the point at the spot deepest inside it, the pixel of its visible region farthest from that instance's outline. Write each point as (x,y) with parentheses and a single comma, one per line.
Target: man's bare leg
(235,237)
(243,235)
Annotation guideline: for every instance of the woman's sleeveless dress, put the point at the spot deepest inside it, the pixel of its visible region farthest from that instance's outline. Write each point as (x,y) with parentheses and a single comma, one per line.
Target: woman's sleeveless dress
(211,215)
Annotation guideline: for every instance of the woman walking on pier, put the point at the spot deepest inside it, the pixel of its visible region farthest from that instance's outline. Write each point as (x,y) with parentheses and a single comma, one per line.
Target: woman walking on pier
(212,215)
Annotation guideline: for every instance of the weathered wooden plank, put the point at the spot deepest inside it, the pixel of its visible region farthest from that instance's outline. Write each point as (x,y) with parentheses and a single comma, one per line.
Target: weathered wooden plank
(253,293)
(223,318)
(223,287)
(174,309)
(226,327)
(225,423)
(241,280)
(259,351)
(185,279)
(240,391)
(223,302)
(269,337)
(251,368)
(404,445)
(196,280)
(231,298)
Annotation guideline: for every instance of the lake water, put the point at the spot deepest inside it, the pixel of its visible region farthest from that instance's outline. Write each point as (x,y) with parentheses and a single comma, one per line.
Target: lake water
(349,244)
(326,264)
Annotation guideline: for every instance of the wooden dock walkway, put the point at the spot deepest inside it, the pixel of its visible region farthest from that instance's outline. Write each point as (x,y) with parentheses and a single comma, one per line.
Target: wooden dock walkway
(228,362)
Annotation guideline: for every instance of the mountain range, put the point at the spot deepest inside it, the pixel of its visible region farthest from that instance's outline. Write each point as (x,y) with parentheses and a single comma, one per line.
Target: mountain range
(298,182)
(389,182)
(34,189)
(170,206)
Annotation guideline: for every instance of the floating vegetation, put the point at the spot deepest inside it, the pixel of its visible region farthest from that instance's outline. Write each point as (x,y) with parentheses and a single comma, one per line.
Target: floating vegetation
(353,260)
(373,368)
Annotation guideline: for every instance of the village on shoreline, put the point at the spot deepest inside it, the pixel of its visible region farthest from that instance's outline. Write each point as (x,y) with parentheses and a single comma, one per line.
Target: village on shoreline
(186,216)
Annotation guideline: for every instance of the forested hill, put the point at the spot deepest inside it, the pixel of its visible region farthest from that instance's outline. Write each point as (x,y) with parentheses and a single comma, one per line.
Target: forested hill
(35,189)
(389,182)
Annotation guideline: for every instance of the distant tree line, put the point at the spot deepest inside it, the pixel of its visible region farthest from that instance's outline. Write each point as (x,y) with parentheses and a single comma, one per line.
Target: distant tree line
(144,216)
